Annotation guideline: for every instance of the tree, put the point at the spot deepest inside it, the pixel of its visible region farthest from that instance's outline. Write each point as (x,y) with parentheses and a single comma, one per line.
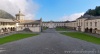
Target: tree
(93,12)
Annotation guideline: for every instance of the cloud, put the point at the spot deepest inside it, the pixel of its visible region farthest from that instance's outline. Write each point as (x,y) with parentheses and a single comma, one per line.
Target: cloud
(28,7)
(71,17)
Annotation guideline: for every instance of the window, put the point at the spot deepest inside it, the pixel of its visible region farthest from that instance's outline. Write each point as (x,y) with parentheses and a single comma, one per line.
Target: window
(3,23)
(90,23)
(87,23)
(81,23)
(95,24)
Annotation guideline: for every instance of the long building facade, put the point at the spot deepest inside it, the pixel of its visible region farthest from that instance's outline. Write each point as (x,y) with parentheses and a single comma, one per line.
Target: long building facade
(86,23)
(54,24)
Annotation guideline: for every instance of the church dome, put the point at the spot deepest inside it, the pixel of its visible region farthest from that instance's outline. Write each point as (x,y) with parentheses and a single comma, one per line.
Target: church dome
(5,15)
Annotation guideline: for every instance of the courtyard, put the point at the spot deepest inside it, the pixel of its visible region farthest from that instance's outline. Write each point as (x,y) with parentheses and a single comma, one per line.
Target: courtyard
(50,41)
(49,27)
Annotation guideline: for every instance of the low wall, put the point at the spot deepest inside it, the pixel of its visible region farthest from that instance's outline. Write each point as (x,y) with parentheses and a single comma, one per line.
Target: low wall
(33,29)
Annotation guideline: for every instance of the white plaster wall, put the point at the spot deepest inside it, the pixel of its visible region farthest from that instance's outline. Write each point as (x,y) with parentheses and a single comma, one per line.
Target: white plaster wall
(89,25)
(82,25)
(19,28)
(98,24)
(35,29)
(93,24)
(21,17)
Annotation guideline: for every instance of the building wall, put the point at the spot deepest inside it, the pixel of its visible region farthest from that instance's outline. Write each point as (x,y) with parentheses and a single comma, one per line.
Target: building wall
(53,24)
(7,27)
(35,29)
(81,24)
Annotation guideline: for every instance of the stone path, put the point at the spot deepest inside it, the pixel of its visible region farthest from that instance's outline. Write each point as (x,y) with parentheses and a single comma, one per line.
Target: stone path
(50,42)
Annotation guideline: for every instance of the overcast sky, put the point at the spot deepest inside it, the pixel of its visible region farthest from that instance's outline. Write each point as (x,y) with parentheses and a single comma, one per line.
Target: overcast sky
(56,10)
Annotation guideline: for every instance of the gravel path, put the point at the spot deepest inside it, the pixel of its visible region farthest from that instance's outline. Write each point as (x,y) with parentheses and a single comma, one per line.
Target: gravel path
(50,42)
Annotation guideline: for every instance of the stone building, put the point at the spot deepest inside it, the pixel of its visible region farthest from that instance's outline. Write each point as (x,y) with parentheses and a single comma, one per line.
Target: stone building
(86,23)
(71,25)
(33,25)
(92,25)
(54,24)
(9,24)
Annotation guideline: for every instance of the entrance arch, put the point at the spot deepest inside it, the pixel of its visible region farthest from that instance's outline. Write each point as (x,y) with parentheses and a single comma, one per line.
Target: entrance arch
(90,30)
(86,30)
(95,30)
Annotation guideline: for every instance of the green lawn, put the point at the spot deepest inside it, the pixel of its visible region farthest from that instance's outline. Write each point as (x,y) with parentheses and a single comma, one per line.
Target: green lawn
(15,37)
(83,36)
(61,29)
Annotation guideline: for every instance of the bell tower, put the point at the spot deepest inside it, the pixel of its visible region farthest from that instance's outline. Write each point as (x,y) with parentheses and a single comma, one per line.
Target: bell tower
(20,17)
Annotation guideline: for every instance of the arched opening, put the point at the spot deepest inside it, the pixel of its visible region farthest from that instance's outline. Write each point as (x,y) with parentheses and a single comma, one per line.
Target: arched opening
(79,28)
(86,29)
(2,30)
(74,28)
(90,30)
(5,29)
(95,30)
(13,29)
(9,29)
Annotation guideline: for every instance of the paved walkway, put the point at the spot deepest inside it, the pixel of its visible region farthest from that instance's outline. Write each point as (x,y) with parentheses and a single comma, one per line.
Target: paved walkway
(50,42)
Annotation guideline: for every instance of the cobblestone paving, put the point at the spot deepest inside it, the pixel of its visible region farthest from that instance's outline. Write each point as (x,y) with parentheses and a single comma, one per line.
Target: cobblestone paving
(50,42)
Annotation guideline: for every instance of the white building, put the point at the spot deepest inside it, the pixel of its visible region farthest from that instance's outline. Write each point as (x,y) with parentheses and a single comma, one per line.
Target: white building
(10,24)
(86,23)
(33,25)
(54,24)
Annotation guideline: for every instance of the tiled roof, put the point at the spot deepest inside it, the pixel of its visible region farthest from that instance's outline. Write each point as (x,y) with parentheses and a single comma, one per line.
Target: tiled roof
(92,18)
(6,20)
(85,16)
(89,17)
(31,22)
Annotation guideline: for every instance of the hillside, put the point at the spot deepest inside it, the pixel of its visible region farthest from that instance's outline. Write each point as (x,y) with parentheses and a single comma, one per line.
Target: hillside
(5,15)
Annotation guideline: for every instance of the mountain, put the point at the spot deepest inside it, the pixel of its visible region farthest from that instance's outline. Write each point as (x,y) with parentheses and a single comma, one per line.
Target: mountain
(5,15)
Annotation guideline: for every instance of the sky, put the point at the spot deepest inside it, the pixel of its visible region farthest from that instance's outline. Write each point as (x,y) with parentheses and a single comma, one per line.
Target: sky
(55,10)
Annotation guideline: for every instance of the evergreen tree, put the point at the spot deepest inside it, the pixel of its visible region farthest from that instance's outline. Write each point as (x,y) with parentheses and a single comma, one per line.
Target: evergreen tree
(93,12)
